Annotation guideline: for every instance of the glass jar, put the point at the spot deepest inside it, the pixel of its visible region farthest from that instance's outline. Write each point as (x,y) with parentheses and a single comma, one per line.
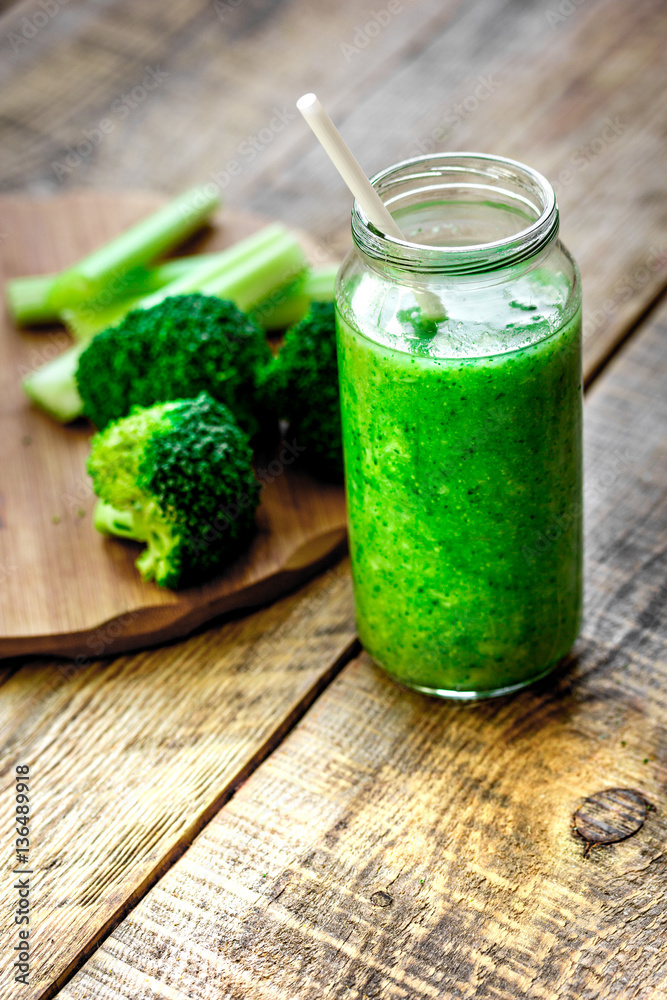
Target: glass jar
(461,390)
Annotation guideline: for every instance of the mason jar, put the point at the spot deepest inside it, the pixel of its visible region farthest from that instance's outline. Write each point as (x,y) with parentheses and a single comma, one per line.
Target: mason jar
(459,353)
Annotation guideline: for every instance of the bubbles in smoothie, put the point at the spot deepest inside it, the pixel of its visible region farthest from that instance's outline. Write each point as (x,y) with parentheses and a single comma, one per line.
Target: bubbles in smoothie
(475,325)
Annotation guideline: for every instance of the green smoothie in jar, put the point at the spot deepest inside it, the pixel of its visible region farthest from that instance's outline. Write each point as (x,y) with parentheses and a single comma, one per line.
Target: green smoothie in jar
(460,370)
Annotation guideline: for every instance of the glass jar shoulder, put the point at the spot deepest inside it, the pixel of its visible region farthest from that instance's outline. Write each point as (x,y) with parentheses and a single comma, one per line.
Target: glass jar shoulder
(481,314)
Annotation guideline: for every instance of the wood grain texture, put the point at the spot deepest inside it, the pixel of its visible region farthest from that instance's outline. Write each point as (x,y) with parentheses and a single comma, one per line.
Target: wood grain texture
(130,757)
(227,66)
(398,847)
(65,588)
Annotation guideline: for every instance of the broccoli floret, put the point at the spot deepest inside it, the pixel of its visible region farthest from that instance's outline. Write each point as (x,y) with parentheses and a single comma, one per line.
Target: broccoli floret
(301,386)
(184,345)
(179,477)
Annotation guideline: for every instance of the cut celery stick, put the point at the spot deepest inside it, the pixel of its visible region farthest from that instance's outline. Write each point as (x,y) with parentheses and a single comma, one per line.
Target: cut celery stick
(84,323)
(168,270)
(273,267)
(242,254)
(320,284)
(28,298)
(53,386)
(86,320)
(291,304)
(138,245)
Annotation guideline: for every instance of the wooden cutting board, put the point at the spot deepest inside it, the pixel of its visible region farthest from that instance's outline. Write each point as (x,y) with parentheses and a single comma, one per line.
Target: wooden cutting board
(64,588)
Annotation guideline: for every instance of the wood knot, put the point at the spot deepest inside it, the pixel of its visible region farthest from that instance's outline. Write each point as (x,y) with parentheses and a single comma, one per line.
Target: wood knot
(381,899)
(609,816)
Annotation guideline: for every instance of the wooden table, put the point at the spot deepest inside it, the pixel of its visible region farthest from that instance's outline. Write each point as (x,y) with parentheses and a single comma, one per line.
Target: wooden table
(257,812)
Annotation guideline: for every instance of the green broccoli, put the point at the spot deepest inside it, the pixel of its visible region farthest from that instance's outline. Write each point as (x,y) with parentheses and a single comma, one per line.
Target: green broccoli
(179,477)
(182,346)
(301,386)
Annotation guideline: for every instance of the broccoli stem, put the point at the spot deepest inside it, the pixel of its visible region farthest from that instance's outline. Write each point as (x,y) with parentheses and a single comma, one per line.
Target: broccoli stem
(110,521)
(250,271)
(291,304)
(138,245)
(153,561)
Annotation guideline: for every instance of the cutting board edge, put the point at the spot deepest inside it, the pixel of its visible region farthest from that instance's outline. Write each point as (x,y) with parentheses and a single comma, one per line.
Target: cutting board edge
(180,620)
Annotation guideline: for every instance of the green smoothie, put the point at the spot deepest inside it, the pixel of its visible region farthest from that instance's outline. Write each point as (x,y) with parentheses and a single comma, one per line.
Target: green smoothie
(463,477)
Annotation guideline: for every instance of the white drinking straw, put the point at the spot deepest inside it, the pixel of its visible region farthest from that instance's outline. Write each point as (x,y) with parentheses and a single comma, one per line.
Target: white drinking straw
(347,166)
(349,169)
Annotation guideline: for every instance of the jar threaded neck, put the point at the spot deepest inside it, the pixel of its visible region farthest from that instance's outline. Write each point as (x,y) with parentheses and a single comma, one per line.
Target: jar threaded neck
(520,196)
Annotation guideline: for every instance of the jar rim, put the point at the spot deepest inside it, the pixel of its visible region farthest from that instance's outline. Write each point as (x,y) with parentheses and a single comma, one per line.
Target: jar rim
(530,188)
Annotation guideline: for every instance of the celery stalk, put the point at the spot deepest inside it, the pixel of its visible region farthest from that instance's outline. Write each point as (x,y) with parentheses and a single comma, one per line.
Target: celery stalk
(290,304)
(320,284)
(89,318)
(272,267)
(53,386)
(84,323)
(28,298)
(138,245)
(241,255)
(169,270)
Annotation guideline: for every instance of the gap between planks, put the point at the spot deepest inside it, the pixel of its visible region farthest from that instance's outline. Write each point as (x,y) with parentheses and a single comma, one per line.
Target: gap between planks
(203,819)
(598,367)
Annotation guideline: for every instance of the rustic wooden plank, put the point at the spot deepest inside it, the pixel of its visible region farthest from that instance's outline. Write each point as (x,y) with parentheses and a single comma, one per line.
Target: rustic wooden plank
(398,847)
(226,71)
(130,757)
